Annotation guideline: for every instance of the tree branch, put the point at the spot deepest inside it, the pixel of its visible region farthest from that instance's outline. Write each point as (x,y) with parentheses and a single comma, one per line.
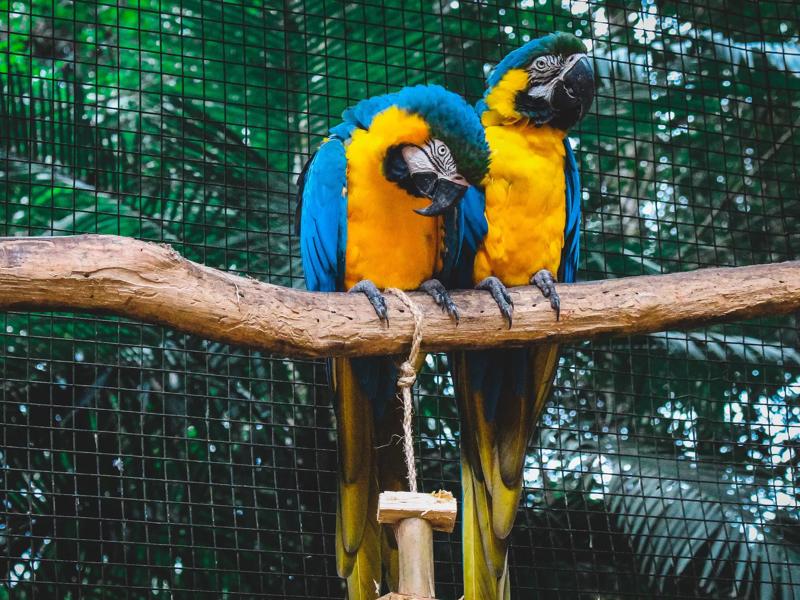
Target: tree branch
(152,283)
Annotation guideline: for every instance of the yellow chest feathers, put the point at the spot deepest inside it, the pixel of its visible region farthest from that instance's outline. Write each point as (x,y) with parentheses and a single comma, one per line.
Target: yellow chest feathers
(387,241)
(525,203)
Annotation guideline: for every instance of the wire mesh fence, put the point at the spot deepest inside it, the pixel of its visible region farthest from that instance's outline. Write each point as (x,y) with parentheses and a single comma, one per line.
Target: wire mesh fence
(138,462)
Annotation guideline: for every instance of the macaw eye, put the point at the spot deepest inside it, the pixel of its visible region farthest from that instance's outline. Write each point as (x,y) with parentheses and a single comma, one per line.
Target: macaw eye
(540,64)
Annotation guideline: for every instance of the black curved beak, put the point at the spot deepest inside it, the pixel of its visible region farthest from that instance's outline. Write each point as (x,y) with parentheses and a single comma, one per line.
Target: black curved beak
(425,181)
(578,86)
(445,195)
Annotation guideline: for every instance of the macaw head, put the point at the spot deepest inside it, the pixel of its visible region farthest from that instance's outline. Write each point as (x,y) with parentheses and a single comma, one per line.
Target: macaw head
(427,170)
(549,80)
(453,155)
(433,143)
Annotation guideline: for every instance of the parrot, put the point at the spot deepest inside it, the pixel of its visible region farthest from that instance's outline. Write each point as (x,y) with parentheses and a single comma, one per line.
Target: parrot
(378,206)
(529,234)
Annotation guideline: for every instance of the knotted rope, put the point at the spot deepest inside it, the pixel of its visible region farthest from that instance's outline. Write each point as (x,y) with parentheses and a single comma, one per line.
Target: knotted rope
(405,382)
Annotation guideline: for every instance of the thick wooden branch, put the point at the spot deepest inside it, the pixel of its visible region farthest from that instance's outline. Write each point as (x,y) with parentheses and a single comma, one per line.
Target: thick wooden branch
(153,283)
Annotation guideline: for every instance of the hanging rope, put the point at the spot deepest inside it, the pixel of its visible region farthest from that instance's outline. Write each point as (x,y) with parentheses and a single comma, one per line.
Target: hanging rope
(405,383)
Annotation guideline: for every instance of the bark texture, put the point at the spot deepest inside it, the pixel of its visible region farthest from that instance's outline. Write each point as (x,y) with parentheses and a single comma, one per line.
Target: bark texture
(438,508)
(153,283)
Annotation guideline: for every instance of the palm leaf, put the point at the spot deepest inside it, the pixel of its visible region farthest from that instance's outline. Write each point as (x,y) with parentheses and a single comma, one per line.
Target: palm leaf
(689,539)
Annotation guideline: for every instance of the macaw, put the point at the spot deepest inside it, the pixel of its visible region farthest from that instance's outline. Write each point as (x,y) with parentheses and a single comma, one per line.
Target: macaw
(529,236)
(365,223)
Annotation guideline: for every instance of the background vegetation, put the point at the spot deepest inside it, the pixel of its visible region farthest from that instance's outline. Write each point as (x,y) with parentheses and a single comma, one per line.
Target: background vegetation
(138,461)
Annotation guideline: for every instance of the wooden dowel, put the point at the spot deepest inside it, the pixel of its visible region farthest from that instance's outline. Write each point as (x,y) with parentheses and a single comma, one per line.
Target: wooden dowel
(415,515)
(415,543)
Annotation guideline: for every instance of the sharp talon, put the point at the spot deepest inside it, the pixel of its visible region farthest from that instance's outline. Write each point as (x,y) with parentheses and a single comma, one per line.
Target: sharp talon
(500,295)
(436,290)
(546,283)
(374,296)
(555,304)
(452,310)
(448,306)
(380,308)
(508,314)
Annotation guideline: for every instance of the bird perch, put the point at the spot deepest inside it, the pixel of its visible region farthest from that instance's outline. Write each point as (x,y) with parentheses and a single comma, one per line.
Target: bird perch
(414,516)
(153,283)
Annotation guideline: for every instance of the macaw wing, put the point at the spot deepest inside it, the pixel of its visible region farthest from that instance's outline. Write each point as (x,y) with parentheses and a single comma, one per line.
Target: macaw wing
(322,223)
(473,227)
(568,270)
(451,246)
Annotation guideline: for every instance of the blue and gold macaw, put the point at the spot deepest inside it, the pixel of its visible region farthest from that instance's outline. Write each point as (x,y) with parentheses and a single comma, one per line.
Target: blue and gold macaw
(380,207)
(529,236)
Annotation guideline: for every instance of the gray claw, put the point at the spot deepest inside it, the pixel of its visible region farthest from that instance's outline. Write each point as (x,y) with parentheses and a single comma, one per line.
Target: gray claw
(366,287)
(546,283)
(435,289)
(501,296)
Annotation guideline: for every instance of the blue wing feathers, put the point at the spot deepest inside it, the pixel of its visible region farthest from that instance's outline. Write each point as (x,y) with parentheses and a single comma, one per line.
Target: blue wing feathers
(377,376)
(324,208)
(474,228)
(491,370)
(361,114)
(475,225)
(571,252)
(342,131)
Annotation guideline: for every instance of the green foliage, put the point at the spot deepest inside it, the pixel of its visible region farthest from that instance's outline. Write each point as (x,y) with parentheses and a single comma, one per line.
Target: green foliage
(686,539)
(139,457)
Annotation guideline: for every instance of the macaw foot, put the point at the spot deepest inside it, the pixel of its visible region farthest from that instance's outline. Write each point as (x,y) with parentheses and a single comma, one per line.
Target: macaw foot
(366,287)
(435,289)
(501,296)
(546,283)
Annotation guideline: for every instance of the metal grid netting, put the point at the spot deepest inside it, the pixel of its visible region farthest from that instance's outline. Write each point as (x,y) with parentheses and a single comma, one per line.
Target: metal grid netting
(140,462)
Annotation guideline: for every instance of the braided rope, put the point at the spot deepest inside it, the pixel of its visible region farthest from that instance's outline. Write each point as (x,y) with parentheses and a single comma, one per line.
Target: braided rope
(405,383)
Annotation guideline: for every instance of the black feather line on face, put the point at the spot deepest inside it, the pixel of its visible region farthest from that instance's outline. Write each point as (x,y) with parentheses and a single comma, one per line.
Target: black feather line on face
(544,69)
(440,157)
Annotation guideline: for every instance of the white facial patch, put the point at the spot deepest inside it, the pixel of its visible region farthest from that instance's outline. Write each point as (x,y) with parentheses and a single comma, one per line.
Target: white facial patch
(416,159)
(545,68)
(433,155)
(545,71)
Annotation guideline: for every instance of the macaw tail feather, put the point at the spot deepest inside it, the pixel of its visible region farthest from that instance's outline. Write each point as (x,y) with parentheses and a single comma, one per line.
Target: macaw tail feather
(371,460)
(363,567)
(501,395)
(358,543)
